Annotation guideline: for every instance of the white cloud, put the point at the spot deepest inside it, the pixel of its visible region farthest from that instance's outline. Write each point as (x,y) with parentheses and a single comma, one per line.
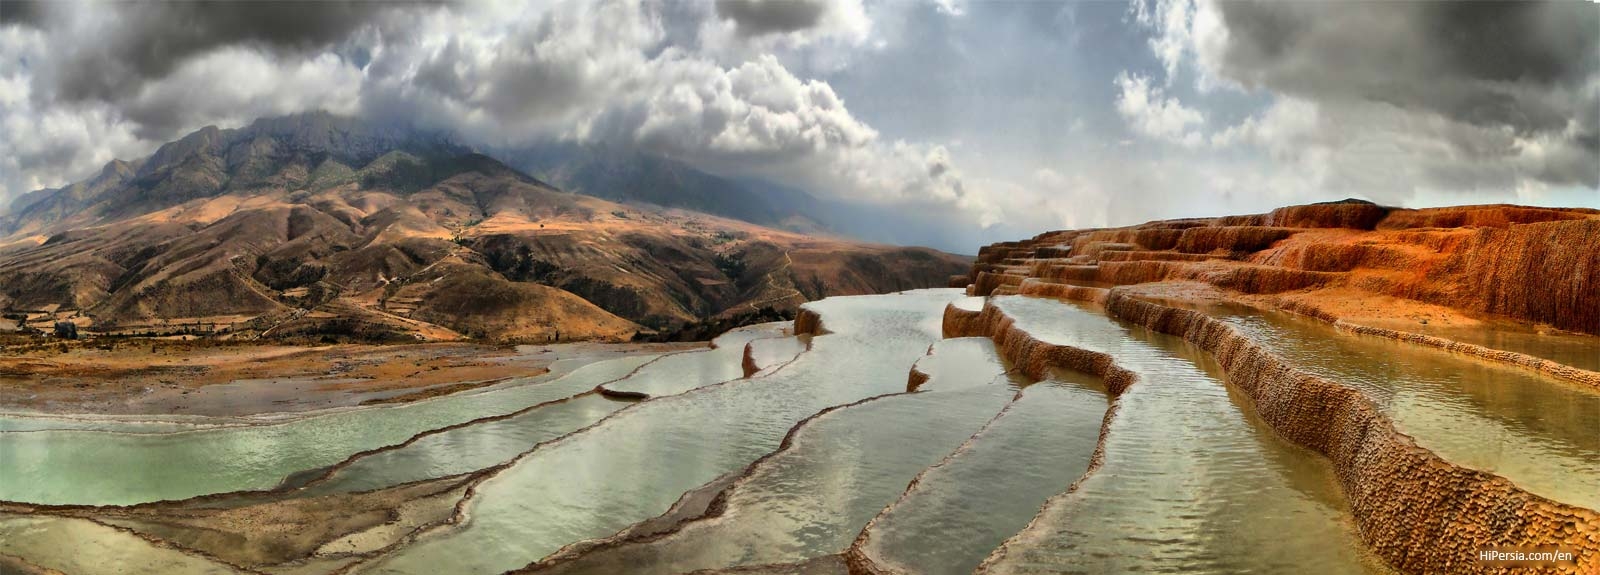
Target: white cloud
(951,7)
(1172,20)
(673,78)
(1348,115)
(750,94)
(1151,113)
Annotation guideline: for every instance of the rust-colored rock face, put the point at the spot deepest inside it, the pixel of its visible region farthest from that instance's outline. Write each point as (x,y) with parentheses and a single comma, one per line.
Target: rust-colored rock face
(1542,271)
(808,322)
(1538,265)
(1347,214)
(1366,270)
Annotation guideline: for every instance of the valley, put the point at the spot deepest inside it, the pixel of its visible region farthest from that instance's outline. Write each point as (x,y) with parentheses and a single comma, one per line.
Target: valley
(799,287)
(1220,410)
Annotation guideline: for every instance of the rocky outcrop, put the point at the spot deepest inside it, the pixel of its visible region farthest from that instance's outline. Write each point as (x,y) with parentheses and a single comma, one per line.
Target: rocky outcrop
(1031,356)
(808,322)
(1547,272)
(1492,216)
(1352,214)
(1418,511)
(1527,264)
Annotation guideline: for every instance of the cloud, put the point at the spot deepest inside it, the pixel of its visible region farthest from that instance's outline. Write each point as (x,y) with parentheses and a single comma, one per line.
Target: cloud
(23,12)
(757,17)
(866,102)
(1517,64)
(45,146)
(951,7)
(1172,20)
(106,50)
(810,36)
(1151,113)
(672,79)
(1412,99)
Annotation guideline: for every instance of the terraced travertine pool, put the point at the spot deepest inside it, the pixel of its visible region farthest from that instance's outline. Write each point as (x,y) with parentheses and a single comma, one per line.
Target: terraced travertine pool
(1564,348)
(635,466)
(68,466)
(829,454)
(1542,434)
(968,504)
(1192,482)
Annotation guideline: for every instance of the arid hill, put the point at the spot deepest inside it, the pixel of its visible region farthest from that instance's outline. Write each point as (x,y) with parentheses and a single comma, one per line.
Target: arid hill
(1386,267)
(316,226)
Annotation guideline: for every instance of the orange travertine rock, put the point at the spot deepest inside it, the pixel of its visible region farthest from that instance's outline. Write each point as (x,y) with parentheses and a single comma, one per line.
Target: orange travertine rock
(1537,265)
(808,322)
(1460,265)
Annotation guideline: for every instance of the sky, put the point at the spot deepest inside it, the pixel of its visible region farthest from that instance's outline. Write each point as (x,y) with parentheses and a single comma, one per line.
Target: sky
(998,120)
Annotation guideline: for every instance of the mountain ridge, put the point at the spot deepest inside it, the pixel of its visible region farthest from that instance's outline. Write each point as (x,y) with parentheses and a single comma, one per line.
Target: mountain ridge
(320,226)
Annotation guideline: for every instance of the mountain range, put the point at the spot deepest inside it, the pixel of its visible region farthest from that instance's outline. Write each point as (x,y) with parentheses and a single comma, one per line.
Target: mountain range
(319,226)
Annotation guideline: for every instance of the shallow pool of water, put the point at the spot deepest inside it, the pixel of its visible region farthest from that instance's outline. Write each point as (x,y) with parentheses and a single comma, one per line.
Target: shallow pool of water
(682,372)
(1192,481)
(1542,434)
(465,449)
(71,466)
(637,463)
(842,469)
(1580,351)
(486,444)
(774,353)
(966,506)
(814,498)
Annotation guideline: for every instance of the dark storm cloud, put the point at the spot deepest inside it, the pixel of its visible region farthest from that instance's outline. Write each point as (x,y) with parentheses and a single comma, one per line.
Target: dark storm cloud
(22,12)
(1516,64)
(149,39)
(757,17)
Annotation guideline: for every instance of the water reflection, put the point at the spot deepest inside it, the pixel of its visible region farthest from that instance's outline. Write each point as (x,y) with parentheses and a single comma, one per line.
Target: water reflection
(1542,434)
(1192,481)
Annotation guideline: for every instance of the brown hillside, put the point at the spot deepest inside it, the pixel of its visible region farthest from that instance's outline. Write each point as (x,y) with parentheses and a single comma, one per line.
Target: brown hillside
(315,227)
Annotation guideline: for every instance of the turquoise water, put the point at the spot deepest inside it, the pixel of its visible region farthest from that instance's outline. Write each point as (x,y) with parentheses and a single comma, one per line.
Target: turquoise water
(636,464)
(71,466)
(1191,481)
(841,469)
